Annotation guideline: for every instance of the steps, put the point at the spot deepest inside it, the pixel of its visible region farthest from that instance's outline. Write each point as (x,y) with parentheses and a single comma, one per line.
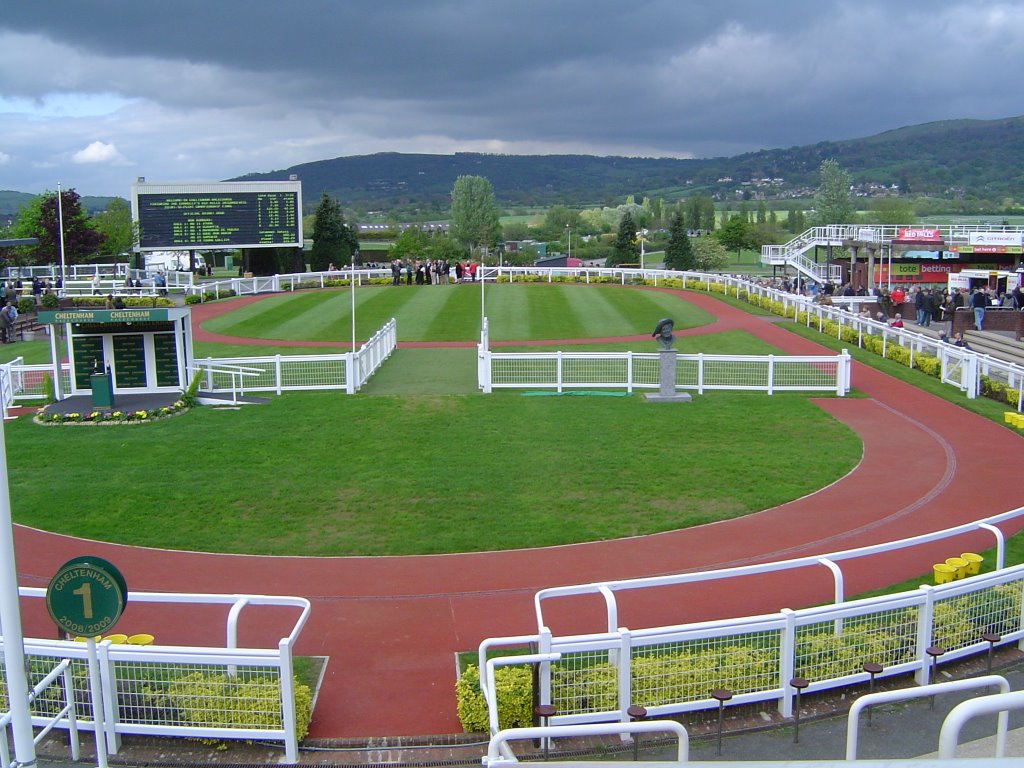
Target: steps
(997,345)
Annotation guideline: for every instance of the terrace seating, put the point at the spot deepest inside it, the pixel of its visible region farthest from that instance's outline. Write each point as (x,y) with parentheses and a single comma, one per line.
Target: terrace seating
(997,345)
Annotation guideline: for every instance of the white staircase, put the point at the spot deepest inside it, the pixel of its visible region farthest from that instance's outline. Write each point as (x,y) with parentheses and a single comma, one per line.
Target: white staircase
(793,253)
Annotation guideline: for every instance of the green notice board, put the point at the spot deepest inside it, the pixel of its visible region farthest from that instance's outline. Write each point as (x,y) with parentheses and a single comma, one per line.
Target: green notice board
(88,351)
(129,360)
(166,360)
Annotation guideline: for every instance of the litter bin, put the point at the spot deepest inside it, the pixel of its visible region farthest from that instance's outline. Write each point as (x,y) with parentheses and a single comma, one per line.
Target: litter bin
(102,390)
(974,562)
(944,573)
(960,564)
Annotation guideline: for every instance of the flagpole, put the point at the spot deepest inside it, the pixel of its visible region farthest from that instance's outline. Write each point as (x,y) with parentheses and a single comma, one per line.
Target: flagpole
(483,314)
(60,229)
(10,621)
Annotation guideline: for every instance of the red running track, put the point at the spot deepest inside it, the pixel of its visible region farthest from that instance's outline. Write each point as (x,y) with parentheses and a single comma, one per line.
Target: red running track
(390,625)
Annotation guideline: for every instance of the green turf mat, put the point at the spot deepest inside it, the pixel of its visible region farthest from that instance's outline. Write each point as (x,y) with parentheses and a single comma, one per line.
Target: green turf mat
(576,393)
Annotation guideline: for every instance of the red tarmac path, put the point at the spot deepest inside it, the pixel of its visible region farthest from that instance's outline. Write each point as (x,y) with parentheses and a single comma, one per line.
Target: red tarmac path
(390,625)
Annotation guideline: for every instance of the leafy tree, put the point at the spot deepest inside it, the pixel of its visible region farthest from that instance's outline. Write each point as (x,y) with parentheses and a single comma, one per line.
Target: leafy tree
(411,244)
(115,224)
(892,210)
(626,249)
(557,219)
(796,221)
(710,254)
(734,234)
(39,219)
(526,256)
(334,242)
(516,230)
(272,261)
(445,248)
(832,201)
(679,251)
(474,219)
(762,213)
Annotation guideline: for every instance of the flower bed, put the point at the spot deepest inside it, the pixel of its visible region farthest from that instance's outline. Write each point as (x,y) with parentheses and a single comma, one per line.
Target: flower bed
(105,417)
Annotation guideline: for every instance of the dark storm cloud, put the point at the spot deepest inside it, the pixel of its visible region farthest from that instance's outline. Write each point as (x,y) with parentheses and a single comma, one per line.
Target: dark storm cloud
(218,88)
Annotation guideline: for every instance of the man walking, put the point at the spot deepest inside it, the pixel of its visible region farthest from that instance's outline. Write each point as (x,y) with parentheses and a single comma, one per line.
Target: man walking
(979,300)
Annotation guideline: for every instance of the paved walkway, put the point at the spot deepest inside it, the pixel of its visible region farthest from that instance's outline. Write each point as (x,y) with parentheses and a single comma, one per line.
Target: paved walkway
(390,625)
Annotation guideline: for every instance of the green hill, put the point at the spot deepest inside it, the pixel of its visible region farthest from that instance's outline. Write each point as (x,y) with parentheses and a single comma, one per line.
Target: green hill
(954,157)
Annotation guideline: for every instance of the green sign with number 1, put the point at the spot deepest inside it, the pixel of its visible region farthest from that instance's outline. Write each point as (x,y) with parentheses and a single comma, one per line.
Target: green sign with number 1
(86,596)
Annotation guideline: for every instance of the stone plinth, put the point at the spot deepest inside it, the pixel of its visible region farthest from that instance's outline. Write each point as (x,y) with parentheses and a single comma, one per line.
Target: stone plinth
(667,380)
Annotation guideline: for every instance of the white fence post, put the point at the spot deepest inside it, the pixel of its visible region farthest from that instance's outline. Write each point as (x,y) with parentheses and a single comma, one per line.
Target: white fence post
(108,685)
(288,716)
(925,618)
(625,665)
(787,661)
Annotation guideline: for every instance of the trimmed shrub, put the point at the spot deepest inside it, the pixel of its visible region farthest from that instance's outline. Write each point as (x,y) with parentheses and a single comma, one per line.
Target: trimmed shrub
(514,686)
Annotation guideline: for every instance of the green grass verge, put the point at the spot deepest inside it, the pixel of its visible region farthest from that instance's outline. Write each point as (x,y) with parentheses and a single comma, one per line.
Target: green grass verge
(327,474)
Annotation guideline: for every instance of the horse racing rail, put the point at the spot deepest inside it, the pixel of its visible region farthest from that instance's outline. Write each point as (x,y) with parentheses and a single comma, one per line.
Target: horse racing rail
(672,669)
(164,690)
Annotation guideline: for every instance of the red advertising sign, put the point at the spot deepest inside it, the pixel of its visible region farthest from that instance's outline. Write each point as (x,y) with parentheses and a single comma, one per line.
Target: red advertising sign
(919,235)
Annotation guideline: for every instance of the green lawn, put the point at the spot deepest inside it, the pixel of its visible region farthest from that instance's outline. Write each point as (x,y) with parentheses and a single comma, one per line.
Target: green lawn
(420,461)
(452,313)
(329,474)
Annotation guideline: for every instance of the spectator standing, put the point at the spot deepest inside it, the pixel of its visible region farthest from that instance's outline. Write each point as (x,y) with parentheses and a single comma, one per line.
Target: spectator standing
(979,300)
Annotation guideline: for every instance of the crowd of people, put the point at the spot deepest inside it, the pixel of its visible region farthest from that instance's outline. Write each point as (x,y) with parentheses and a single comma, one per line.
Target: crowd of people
(931,304)
(436,272)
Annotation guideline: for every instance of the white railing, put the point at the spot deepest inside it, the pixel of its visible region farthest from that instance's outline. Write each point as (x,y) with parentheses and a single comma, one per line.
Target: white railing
(235,373)
(66,713)
(672,669)
(878,234)
(640,370)
(244,286)
(280,373)
(901,695)
(499,753)
(961,367)
(220,693)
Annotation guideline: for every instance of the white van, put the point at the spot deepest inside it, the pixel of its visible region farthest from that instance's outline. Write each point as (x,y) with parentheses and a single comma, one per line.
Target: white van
(171,261)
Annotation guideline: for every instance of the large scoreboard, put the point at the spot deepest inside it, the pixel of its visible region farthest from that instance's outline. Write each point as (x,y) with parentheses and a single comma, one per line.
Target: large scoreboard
(230,214)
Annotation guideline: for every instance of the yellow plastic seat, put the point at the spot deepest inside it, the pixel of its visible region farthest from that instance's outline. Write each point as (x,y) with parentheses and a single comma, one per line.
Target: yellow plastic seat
(142,638)
(117,638)
(80,639)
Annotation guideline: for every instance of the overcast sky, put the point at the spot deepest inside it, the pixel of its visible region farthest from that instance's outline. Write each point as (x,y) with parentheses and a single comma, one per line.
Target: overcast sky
(94,93)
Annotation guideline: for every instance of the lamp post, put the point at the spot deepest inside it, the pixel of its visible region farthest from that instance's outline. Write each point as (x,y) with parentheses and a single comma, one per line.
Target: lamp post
(642,236)
(568,230)
(483,312)
(352,289)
